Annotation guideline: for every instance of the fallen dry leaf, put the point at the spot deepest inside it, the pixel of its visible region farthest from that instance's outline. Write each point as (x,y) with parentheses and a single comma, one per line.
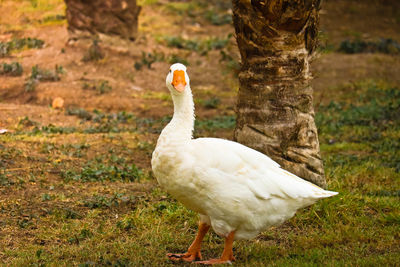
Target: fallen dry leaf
(58,102)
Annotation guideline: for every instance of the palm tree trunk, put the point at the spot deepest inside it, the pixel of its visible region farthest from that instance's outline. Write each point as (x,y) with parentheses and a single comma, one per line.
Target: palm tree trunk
(275,112)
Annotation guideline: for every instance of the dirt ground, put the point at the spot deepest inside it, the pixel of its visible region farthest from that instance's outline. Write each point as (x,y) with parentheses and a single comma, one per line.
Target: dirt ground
(142,92)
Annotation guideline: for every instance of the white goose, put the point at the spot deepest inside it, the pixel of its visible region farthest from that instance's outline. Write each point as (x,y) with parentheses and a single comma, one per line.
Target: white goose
(238,191)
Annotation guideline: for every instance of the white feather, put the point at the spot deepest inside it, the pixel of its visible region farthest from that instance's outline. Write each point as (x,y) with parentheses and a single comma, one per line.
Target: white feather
(233,187)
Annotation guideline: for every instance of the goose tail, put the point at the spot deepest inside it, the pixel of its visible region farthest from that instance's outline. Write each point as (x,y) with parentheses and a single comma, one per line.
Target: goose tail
(325,193)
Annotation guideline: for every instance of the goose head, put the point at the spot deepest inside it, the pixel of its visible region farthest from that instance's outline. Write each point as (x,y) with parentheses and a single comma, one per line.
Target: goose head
(177,79)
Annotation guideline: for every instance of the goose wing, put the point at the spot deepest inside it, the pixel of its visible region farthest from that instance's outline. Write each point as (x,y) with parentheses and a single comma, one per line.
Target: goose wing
(240,164)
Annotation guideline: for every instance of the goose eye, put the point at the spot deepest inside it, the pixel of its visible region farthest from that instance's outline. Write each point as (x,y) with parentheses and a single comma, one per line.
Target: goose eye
(169,71)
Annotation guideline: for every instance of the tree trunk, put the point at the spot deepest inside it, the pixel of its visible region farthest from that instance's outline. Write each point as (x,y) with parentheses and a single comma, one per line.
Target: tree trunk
(111,17)
(275,112)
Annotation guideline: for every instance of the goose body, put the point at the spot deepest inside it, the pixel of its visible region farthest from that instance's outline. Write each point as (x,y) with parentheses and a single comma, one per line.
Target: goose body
(238,191)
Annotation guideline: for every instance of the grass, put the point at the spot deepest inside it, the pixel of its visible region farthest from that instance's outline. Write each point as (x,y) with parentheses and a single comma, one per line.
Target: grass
(96,204)
(202,46)
(371,126)
(38,13)
(214,124)
(387,46)
(212,103)
(201,11)
(94,52)
(12,69)
(356,45)
(80,191)
(18,44)
(38,75)
(52,18)
(82,194)
(148,59)
(100,86)
(232,65)
(97,171)
(218,18)
(40,5)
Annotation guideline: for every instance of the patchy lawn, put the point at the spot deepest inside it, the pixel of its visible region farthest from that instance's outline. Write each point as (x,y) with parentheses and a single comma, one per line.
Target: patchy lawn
(76,186)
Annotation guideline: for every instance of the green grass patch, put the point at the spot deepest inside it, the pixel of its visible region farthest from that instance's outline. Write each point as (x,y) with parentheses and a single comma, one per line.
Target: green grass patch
(387,46)
(52,18)
(360,139)
(211,12)
(212,103)
(106,202)
(212,124)
(80,113)
(231,64)
(200,46)
(148,59)
(38,74)
(216,18)
(99,122)
(183,8)
(100,86)
(114,169)
(17,44)
(375,109)
(146,2)
(98,213)
(12,69)
(94,52)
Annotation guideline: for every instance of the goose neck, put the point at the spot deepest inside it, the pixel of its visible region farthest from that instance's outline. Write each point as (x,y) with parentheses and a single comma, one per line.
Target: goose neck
(182,122)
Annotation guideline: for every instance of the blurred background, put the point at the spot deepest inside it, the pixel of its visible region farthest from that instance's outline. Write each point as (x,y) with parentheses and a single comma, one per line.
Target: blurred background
(81,110)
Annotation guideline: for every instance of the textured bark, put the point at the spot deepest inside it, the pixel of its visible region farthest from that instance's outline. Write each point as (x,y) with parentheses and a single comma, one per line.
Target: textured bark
(275,104)
(111,17)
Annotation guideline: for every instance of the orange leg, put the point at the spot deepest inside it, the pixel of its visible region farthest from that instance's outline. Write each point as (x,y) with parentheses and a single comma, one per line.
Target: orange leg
(227,254)
(193,252)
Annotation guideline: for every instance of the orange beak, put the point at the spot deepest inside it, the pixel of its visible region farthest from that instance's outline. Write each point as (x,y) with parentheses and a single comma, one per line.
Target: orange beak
(179,82)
